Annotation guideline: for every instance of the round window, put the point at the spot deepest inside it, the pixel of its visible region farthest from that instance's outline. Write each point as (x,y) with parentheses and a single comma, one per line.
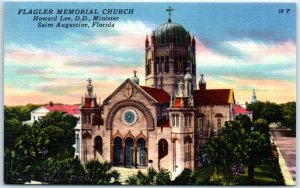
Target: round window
(129,117)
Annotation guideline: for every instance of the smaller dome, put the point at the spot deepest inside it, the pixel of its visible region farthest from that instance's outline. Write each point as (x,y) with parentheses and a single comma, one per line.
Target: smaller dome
(202,81)
(135,78)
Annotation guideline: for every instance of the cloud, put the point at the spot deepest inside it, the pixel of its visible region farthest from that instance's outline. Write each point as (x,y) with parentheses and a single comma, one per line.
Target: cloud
(259,59)
(58,70)
(127,36)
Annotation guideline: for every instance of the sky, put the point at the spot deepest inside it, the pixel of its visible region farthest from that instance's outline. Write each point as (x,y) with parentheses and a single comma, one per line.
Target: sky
(238,45)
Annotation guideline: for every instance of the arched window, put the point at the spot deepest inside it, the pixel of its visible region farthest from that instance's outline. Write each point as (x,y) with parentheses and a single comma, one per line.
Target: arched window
(156,67)
(129,152)
(201,124)
(147,67)
(77,143)
(118,152)
(162,148)
(187,148)
(98,144)
(141,152)
(174,156)
(180,65)
(175,65)
(167,65)
(219,118)
(173,120)
(89,118)
(177,120)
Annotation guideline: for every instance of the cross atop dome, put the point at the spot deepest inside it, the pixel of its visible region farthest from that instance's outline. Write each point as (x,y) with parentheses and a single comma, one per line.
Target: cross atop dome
(170,13)
(89,80)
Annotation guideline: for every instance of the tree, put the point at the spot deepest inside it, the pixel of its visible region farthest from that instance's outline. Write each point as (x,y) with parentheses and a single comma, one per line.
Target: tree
(215,149)
(254,146)
(55,134)
(289,115)
(100,173)
(186,177)
(240,141)
(152,177)
(269,111)
(26,146)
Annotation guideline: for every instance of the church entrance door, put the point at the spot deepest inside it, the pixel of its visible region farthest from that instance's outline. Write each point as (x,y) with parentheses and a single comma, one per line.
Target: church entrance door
(129,152)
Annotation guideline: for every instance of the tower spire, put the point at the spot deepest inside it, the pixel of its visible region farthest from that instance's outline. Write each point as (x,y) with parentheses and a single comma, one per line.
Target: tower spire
(170,13)
(253,100)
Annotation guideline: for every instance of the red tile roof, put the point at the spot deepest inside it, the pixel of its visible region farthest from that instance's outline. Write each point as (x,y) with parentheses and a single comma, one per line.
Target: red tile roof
(177,102)
(238,109)
(70,109)
(163,123)
(212,96)
(158,94)
(88,103)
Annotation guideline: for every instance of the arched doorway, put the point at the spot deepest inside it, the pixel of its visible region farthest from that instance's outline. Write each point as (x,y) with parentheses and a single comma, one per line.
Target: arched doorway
(129,152)
(98,144)
(87,140)
(141,152)
(162,150)
(188,151)
(118,152)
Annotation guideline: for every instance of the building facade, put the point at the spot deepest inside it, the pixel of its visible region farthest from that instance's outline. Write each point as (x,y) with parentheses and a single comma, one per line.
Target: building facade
(163,124)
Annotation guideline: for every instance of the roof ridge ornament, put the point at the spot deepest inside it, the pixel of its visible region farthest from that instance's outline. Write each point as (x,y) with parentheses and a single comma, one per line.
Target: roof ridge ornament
(90,88)
(170,13)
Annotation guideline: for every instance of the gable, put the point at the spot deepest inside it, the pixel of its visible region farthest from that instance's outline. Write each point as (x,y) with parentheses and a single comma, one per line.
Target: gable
(134,87)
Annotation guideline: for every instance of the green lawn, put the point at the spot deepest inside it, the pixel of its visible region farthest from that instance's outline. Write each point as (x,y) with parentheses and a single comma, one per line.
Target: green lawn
(263,176)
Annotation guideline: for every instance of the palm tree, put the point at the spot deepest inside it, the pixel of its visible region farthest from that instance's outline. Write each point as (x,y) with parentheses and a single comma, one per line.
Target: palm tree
(152,177)
(100,173)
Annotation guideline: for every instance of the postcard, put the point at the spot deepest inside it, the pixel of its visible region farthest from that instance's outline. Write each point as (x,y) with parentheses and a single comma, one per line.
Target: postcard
(153,93)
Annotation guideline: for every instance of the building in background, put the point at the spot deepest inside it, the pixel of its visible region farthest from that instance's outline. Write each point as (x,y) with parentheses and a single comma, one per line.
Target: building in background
(40,112)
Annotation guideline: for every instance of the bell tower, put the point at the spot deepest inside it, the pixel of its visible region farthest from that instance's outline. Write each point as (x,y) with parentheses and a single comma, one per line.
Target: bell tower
(169,53)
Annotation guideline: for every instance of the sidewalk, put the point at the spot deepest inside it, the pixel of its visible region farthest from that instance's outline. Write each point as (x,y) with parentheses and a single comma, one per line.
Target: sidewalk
(287,153)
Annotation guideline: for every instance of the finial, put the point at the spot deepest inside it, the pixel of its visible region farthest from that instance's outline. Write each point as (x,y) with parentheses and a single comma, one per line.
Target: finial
(170,13)
(135,78)
(89,80)
(90,88)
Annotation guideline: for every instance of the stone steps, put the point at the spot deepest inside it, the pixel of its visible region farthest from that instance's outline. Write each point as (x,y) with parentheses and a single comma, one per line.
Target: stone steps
(126,172)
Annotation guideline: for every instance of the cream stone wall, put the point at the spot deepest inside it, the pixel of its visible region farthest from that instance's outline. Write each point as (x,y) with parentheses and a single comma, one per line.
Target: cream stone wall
(140,127)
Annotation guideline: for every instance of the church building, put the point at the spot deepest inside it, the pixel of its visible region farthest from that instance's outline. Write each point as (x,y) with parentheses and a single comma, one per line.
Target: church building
(163,124)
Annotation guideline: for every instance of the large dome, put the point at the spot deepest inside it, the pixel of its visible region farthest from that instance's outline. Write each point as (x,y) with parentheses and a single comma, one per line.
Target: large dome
(162,33)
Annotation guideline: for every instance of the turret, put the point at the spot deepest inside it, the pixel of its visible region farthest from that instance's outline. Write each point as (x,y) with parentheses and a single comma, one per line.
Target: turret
(153,38)
(193,42)
(253,100)
(202,83)
(147,42)
(188,81)
(188,38)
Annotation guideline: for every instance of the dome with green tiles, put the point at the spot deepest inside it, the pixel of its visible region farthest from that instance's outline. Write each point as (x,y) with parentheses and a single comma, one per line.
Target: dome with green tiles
(164,31)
